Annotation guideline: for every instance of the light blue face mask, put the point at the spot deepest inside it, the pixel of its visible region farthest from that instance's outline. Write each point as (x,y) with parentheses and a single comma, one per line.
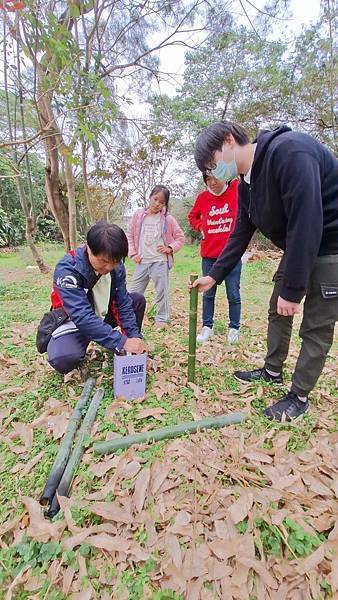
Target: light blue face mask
(225,171)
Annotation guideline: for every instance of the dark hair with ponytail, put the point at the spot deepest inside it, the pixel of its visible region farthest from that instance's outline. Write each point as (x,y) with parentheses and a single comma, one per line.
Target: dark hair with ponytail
(164,190)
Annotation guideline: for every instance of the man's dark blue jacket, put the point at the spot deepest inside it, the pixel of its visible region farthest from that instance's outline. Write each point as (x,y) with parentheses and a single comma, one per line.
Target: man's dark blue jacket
(74,279)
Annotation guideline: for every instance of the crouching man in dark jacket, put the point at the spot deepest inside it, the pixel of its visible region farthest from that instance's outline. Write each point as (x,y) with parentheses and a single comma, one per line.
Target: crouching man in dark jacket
(90,284)
(289,191)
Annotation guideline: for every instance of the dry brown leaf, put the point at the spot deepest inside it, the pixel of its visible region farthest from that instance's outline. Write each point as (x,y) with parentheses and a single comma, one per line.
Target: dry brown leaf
(223,549)
(34,582)
(19,579)
(316,486)
(141,487)
(67,580)
(333,535)
(111,410)
(57,425)
(174,550)
(258,456)
(239,510)
(71,542)
(281,439)
(109,543)
(194,562)
(137,553)
(39,528)
(101,468)
(10,525)
(334,574)
(66,505)
(10,391)
(217,569)
(159,472)
(111,511)
(259,568)
(313,560)
(130,470)
(26,468)
(155,412)
(194,589)
(25,432)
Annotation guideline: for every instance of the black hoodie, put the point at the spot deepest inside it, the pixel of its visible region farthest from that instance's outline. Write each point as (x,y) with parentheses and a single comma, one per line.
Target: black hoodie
(293,200)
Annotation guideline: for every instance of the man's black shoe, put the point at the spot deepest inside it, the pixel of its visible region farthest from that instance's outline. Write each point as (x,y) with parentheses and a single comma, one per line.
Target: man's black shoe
(258,375)
(290,406)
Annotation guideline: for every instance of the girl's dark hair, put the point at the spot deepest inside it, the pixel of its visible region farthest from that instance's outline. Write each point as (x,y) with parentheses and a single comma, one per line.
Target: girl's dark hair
(212,139)
(166,193)
(108,240)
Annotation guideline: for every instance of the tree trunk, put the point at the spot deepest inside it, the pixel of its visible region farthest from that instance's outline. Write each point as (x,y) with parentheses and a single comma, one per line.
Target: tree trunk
(53,186)
(44,268)
(69,176)
(85,184)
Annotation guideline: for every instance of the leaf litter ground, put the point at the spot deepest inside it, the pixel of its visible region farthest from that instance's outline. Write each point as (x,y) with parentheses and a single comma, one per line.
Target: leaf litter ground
(246,512)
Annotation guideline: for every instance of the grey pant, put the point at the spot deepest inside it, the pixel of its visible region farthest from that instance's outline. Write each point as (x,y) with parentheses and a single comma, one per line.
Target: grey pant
(316,330)
(158,272)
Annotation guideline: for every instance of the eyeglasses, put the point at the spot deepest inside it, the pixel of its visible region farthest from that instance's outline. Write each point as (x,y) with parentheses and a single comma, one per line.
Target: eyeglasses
(208,171)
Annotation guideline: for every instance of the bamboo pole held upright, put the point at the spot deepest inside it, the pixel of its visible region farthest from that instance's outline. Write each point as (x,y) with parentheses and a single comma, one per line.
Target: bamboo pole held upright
(192,330)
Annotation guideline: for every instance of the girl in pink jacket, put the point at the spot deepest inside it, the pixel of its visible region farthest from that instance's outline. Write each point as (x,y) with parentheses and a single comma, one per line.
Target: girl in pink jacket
(153,237)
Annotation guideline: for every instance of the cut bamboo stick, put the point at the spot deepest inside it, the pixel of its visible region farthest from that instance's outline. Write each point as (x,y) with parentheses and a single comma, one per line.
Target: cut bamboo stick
(192,330)
(167,432)
(76,455)
(61,458)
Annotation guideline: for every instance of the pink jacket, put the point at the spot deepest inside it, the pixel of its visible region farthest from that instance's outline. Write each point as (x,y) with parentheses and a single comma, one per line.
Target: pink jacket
(172,234)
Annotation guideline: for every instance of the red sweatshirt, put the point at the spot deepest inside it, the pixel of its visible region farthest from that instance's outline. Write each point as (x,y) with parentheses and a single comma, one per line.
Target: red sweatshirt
(214,216)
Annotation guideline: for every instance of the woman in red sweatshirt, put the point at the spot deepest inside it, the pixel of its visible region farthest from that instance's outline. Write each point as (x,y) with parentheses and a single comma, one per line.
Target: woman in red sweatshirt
(214,215)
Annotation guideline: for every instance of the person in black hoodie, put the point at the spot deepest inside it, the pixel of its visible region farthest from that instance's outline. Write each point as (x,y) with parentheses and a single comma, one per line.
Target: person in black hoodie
(289,191)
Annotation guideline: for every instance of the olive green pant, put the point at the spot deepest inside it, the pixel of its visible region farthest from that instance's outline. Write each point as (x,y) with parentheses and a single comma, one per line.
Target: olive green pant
(316,331)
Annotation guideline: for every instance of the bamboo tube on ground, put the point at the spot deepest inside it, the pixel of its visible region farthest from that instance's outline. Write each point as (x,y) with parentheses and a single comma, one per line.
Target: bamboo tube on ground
(61,458)
(76,455)
(167,432)
(192,330)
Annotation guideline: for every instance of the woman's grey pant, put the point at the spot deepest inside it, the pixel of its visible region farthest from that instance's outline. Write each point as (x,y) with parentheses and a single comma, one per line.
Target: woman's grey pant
(158,272)
(317,329)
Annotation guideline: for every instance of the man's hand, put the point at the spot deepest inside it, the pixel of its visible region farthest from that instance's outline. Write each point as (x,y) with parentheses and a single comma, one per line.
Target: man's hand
(164,249)
(135,346)
(137,258)
(203,284)
(286,308)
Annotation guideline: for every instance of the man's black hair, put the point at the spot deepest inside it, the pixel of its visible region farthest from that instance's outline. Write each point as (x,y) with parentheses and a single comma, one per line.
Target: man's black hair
(166,193)
(108,240)
(212,139)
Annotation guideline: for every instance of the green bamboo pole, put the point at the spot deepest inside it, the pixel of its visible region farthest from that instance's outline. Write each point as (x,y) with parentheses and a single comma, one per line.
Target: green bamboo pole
(78,450)
(192,329)
(61,458)
(167,432)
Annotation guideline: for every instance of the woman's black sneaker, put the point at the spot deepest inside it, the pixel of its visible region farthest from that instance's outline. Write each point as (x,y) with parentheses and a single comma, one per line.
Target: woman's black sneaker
(290,406)
(258,375)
